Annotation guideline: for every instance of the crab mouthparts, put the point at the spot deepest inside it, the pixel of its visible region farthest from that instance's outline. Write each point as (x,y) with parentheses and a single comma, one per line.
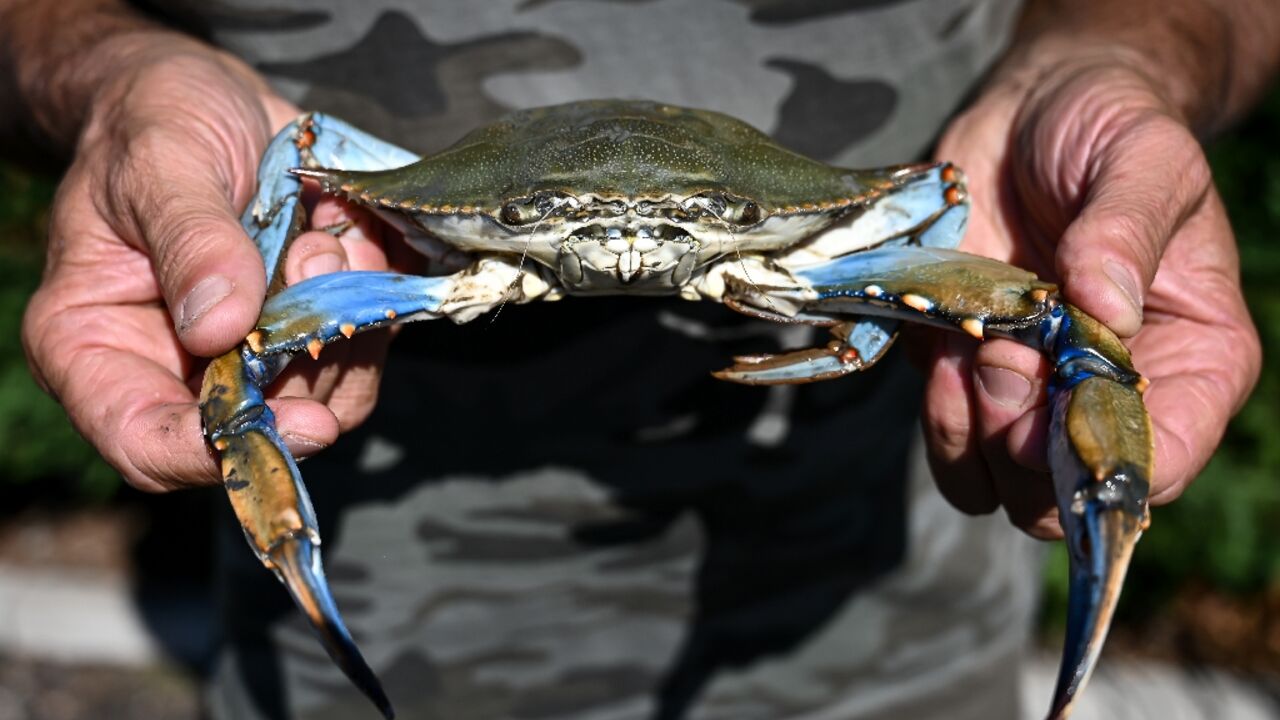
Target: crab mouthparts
(606,258)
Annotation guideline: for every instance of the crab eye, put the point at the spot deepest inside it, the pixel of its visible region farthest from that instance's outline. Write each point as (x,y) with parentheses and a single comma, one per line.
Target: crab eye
(740,211)
(727,208)
(518,213)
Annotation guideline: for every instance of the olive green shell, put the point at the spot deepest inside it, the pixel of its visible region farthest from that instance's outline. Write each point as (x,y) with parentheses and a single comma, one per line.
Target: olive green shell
(614,149)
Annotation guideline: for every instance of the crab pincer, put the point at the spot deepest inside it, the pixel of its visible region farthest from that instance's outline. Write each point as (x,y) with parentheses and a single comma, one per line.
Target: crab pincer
(266,492)
(260,475)
(1101,455)
(1100,437)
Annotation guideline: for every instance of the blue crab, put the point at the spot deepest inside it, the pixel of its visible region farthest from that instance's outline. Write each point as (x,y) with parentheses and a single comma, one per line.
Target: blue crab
(614,197)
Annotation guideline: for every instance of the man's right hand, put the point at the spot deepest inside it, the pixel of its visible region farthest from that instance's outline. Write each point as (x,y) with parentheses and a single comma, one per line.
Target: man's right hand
(149,270)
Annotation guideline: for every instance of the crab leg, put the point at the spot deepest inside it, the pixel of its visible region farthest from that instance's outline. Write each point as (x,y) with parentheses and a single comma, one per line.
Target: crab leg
(260,475)
(930,210)
(1100,434)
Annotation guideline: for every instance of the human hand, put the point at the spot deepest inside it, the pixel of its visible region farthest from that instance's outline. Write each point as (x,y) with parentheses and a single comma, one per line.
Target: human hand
(1088,176)
(148,268)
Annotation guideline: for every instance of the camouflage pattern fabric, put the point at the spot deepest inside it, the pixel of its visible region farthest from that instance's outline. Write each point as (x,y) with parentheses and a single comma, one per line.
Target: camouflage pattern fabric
(602,531)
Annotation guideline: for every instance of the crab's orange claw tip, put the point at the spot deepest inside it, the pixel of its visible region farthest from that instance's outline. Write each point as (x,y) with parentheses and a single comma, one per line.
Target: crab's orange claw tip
(1102,544)
(296,560)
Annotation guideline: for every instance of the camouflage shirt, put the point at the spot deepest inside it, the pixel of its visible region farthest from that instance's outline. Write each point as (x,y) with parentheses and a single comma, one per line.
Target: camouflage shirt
(601,531)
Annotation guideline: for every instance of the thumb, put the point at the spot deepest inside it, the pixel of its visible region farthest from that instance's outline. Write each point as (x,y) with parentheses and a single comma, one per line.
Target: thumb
(211,274)
(1147,178)
(209,271)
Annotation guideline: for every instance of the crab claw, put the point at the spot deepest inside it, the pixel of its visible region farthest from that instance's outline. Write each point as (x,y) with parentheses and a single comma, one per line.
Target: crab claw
(296,561)
(266,491)
(1101,464)
(1102,540)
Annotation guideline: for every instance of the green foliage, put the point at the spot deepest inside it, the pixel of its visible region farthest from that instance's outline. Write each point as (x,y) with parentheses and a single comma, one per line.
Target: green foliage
(37,444)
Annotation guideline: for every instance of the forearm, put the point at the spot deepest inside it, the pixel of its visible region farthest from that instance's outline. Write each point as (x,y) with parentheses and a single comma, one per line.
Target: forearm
(1210,59)
(60,62)
(53,59)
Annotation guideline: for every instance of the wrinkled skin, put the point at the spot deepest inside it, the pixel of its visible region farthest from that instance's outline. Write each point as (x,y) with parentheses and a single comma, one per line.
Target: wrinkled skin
(115,331)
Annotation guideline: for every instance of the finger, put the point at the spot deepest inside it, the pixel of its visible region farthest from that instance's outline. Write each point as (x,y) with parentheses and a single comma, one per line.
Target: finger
(360,235)
(182,215)
(1009,383)
(356,393)
(346,375)
(1200,349)
(1148,177)
(950,429)
(129,402)
(162,445)
(306,426)
(312,254)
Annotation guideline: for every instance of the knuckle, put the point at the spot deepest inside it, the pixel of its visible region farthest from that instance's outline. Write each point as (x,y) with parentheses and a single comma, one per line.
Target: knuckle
(353,414)
(1196,170)
(157,452)
(1137,232)
(1170,492)
(1240,373)
(353,400)
(1188,170)
(1250,354)
(950,433)
(45,341)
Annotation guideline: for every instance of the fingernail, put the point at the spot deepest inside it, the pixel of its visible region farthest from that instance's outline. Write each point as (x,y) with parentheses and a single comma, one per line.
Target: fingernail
(1124,281)
(203,297)
(1004,386)
(301,446)
(321,264)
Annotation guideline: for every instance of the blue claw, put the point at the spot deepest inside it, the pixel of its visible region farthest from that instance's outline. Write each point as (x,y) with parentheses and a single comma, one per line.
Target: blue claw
(1100,454)
(1101,545)
(260,476)
(1101,450)
(271,502)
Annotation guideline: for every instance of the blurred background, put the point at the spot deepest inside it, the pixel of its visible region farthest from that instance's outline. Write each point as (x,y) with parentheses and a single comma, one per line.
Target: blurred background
(101,618)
